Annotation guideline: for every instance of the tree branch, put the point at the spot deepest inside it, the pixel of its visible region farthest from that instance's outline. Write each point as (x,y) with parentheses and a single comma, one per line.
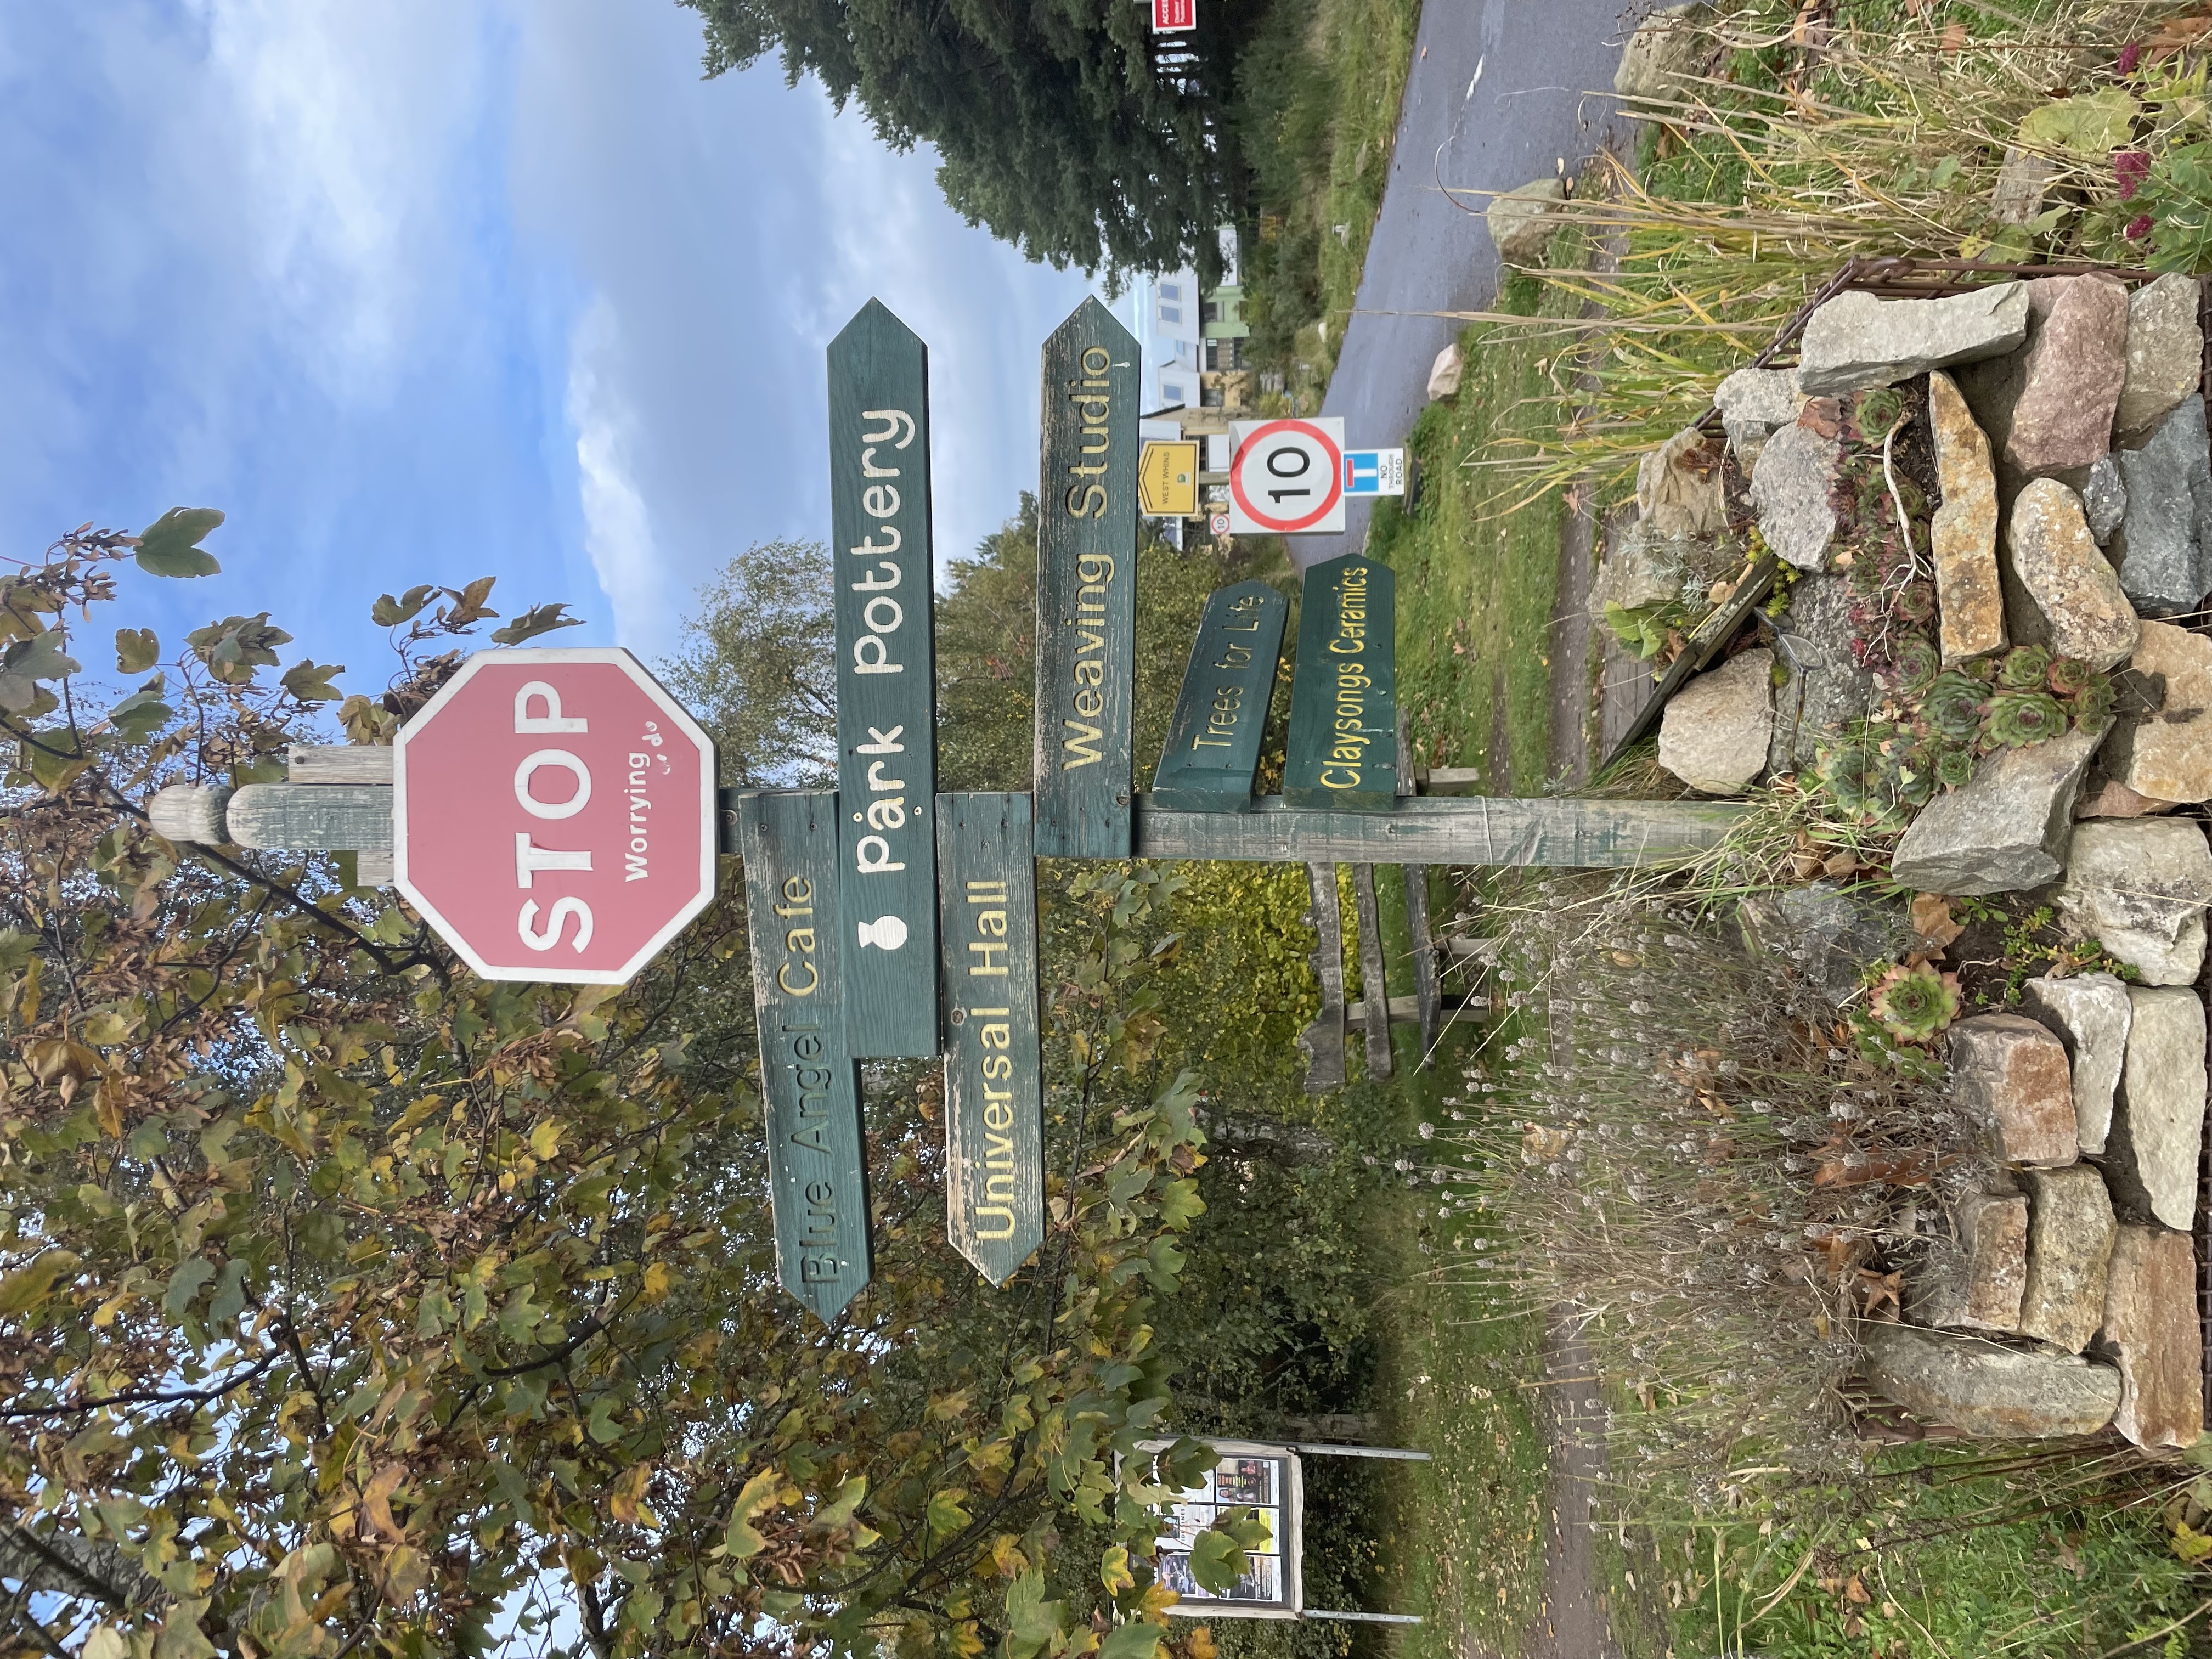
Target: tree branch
(147,1396)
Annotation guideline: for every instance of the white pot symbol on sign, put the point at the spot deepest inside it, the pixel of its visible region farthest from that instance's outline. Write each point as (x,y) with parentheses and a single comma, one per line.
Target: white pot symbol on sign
(885,933)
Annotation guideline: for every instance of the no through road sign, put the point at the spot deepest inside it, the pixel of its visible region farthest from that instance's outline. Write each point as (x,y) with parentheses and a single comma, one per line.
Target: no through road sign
(1287,478)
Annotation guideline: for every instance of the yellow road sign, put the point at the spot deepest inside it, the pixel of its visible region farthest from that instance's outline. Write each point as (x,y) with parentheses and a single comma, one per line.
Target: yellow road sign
(1167,480)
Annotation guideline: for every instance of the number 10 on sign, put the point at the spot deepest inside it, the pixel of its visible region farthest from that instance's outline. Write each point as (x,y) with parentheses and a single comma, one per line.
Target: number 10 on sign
(1287,478)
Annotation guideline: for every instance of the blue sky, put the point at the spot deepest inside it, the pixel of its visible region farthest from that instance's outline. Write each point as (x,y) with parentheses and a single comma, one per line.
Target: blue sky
(428,289)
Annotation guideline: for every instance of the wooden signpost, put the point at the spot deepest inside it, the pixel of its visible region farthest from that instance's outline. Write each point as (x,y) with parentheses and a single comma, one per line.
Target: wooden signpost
(886,683)
(994,1075)
(1086,615)
(1214,742)
(1344,694)
(810,1084)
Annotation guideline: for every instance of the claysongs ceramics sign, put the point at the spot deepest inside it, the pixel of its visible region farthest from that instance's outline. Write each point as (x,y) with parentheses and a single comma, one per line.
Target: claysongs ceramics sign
(553,815)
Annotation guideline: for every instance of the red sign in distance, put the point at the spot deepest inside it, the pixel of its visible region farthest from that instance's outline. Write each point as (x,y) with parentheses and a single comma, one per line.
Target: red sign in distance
(1174,16)
(553,815)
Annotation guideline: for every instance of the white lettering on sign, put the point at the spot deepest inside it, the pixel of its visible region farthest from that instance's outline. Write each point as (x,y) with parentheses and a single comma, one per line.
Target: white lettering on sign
(562,908)
(871,653)
(567,762)
(530,859)
(551,719)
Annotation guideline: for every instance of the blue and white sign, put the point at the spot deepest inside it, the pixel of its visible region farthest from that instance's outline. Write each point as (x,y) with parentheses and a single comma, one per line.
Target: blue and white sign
(1374,472)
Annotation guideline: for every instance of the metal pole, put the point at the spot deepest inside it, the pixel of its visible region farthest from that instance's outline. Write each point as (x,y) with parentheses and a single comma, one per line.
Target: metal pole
(1363,1618)
(1399,1453)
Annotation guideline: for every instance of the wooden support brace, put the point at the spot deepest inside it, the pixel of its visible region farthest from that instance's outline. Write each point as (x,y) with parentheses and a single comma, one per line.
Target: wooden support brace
(1373,986)
(1580,835)
(1425,989)
(1323,1039)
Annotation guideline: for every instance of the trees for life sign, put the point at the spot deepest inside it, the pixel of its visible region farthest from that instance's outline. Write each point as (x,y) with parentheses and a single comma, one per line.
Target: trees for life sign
(553,815)
(1287,478)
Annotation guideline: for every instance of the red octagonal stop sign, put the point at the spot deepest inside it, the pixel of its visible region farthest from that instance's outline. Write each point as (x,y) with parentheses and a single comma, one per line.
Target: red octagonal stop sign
(553,814)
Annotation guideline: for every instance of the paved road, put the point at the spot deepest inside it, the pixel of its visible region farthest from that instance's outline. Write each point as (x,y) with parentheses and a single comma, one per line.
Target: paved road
(1498,95)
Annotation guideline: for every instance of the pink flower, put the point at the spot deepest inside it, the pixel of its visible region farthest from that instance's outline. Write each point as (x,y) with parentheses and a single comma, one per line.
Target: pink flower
(2138,228)
(2131,168)
(2131,57)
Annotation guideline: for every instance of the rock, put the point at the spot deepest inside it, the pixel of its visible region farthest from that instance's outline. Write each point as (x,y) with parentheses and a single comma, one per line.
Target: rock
(2057,563)
(2103,498)
(1828,931)
(1522,221)
(1664,53)
(1964,532)
(2116,800)
(2160,548)
(2010,1073)
(2069,1245)
(1981,1388)
(2021,182)
(1826,689)
(2158,1114)
(1714,733)
(1977,1283)
(1678,486)
(1854,342)
(2166,756)
(2089,1014)
(1444,374)
(2139,888)
(2005,830)
(2151,1328)
(1641,567)
(2073,373)
(1789,491)
(1754,405)
(2166,354)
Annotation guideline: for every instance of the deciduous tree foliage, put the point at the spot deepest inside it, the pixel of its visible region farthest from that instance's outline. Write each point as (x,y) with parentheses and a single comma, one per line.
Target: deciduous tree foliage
(351,1304)
(1053,128)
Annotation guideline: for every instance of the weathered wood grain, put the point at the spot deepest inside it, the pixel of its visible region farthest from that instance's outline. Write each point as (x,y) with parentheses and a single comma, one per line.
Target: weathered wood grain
(1086,593)
(1343,747)
(817,1148)
(1373,975)
(1426,990)
(190,812)
(879,516)
(1212,747)
(1323,1039)
(344,762)
(1703,646)
(993,1071)
(309,815)
(1588,835)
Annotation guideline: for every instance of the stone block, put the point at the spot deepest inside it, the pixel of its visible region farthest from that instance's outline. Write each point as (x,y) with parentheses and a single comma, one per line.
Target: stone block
(1963,532)
(2138,887)
(1444,374)
(2151,1329)
(1826,689)
(1522,221)
(2089,1013)
(1854,342)
(2073,373)
(2007,828)
(1662,57)
(2011,1075)
(2166,354)
(2158,1111)
(1984,1389)
(2167,755)
(1790,488)
(1715,733)
(2069,1245)
(2163,548)
(2084,610)
(1678,486)
(1755,404)
(1976,1283)
(2103,498)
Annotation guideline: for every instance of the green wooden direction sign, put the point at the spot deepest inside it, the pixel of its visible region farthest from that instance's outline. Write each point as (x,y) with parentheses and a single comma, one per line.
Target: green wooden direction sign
(1086,587)
(994,1076)
(1344,693)
(886,683)
(1213,743)
(810,1084)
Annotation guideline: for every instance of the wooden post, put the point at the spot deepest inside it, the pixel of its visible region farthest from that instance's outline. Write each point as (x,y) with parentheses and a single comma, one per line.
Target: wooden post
(1086,599)
(1425,992)
(1374,987)
(1577,834)
(1323,1039)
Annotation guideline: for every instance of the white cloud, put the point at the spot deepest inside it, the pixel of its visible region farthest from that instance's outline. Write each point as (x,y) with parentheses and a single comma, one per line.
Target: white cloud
(618,530)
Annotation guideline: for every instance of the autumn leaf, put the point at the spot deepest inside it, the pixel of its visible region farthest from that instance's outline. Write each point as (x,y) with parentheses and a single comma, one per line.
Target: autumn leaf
(1114,1569)
(1933,922)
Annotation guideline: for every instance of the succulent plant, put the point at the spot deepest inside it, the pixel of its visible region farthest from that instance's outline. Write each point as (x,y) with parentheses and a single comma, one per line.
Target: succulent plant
(2068,677)
(1983,670)
(2016,719)
(1914,1002)
(1914,665)
(1952,707)
(1916,602)
(1874,412)
(1954,766)
(1847,770)
(2093,703)
(2024,668)
(1908,774)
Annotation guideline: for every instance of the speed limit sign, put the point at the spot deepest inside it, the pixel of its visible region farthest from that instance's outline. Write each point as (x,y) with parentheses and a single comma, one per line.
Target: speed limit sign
(1287,478)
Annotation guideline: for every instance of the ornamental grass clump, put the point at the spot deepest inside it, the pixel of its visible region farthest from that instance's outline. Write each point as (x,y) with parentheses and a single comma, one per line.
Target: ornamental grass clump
(1715,1181)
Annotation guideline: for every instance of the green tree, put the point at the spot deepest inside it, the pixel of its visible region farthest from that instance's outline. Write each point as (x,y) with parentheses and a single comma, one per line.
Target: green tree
(1052,128)
(758,666)
(350,1303)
